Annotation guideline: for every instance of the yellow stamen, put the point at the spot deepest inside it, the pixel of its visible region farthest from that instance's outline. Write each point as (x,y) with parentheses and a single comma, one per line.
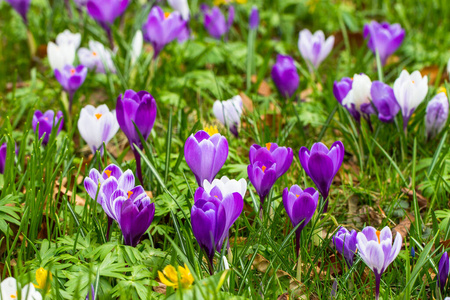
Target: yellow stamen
(263,168)
(13,296)
(211,130)
(129,194)
(268,145)
(98,116)
(72,71)
(216,196)
(94,53)
(166,15)
(297,195)
(413,81)
(108,173)
(378,236)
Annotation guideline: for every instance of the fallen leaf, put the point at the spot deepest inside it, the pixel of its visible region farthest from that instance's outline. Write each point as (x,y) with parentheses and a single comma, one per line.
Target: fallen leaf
(404,226)
(264,88)
(423,202)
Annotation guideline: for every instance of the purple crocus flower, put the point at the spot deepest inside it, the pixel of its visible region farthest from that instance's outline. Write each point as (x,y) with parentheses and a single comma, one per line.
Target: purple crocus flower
(215,22)
(161,29)
(138,108)
(47,121)
(437,115)
(253,21)
(106,11)
(345,243)
(314,48)
(282,156)
(342,88)
(3,152)
(300,207)
(262,174)
(205,154)
(285,76)
(71,78)
(384,38)
(383,99)
(321,165)
(211,221)
(444,269)
(22,7)
(377,251)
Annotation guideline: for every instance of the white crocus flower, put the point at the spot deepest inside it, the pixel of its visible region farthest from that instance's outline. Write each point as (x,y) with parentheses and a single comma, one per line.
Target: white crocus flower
(97,58)
(136,46)
(229,112)
(410,91)
(182,7)
(8,289)
(97,125)
(227,186)
(359,95)
(63,51)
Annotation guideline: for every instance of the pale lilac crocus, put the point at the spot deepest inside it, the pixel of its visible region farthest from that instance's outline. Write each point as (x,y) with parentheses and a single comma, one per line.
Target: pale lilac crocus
(410,91)
(314,47)
(97,125)
(160,29)
(96,58)
(229,113)
(181,6)
(377,251)
(436,115)
(383,38)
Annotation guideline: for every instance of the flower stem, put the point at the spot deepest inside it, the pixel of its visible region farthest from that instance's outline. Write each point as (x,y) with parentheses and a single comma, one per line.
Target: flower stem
(110,220)
(299,266)
(138,167)
(377,286)
(379,67)
(210,263)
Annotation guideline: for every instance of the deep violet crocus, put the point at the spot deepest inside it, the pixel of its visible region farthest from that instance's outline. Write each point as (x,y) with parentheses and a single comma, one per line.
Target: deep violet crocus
(205,153)
(377,251)
(71,78)
(300,206)
(211,221)
(253,20)
(215,22)
(3,152)
(345,243)
(383,99)
(138,108)
(444,269)
(342,88)
(437,115)
(384,38)
(160,29)
(47,121)
(21,7)
(321,165)
(284,75)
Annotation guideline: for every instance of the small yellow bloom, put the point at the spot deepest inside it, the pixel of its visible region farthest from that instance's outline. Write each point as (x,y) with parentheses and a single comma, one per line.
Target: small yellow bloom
(211,130)
(172,278)
(220,2)
(442,90)
(43,278)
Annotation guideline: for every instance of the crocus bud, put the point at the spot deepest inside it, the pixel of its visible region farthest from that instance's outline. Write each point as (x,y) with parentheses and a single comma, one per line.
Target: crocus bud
(229,113)
(182,7)
(285,76)
(21,7)
(383,99)
(410,91)
(321,165)
(444,268)
(377,251)
(300,207)
(215,22)
(384,38)
(314,48)
(205,154)
(253,21)
(139,108)
(136,46)
(212,219)
(437,115)
(97,126)
(47,121)
(342,88)
(161,29)
(345,243)
(106,11)
(96,58)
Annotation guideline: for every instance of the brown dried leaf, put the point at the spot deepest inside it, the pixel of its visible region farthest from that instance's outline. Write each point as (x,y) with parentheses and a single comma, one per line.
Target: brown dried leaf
(404,226)
(432,73)
(161,288)
(264,88)
(369,215)
(247,102)
(423,202)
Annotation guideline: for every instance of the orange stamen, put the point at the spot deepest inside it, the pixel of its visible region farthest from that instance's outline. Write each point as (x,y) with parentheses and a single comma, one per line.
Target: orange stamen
(94,53)
(72,71)
(268,146)
(378,236)
(108,173)
(129,194)
(166,15)
(98,116)
(263,168)
(413,81)
(297,195)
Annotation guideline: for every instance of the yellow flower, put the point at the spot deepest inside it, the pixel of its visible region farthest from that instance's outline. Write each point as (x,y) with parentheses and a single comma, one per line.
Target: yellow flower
(43,278)
(211,130)
(172,278)
(442,90)
(220,2)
